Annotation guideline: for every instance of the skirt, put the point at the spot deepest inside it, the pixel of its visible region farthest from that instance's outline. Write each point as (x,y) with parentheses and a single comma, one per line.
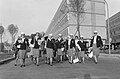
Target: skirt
(22,54)
(49,52)
(82,53)
(59,52)
(71,52)
(31,52)
(96,50)
(36,52)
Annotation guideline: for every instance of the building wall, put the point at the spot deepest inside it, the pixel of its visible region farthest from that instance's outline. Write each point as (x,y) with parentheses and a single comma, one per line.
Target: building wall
(115,28)
(92,19)
(59,20)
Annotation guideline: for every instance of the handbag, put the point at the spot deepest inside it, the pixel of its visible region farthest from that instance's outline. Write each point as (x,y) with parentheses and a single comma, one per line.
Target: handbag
(76,60)
(90,54)
(62,49)
(31,45)
(18,46)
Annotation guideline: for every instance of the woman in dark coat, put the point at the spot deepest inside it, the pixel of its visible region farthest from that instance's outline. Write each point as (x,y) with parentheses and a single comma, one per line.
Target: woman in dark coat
(82,49)
(22,45)
(60,45)
(49,49)
(36,41)
(16,50)
(71,48)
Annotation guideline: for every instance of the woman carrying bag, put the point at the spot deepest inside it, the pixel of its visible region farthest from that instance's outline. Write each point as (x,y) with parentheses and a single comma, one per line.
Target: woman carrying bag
(36,45)
(82,49)
(22,45)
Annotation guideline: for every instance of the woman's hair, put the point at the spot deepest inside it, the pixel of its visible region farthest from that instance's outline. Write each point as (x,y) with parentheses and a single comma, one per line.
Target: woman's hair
(46,37)
(76,37)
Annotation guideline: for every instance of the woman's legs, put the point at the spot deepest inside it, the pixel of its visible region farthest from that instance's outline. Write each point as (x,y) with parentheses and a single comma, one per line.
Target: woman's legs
(61,58)
(95,59)
(16,60)
(37,61)
(51,61)
(70,59)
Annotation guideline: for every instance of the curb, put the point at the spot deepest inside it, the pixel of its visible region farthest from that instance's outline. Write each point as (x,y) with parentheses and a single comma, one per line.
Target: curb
(112,55)
(6,60)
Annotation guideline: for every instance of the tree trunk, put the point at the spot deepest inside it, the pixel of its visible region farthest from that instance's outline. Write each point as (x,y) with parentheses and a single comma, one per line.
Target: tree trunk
(12,40)
(78,19)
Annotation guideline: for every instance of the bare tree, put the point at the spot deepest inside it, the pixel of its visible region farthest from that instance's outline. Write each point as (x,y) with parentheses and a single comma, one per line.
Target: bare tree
(1,34)
(13,29)
(77,8)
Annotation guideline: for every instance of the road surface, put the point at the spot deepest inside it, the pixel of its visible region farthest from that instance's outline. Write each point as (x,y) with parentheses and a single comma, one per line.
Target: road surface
(107,68)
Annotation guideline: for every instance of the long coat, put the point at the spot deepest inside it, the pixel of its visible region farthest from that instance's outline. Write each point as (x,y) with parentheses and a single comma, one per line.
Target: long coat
(99,41)
(82,45)
(23,45)
(35,42)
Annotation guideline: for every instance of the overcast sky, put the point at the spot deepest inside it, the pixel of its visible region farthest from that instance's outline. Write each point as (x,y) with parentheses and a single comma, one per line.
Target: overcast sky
(35,15)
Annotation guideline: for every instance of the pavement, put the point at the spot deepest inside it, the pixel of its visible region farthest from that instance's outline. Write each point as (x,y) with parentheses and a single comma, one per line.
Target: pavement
(101,54)
(107,68)
(110,55)
(6,60)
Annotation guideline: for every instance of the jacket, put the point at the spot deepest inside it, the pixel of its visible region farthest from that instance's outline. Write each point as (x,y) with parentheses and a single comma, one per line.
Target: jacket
(35,42)
(23,45)
(50,43)
(59,43)
(82,45)
(99,41)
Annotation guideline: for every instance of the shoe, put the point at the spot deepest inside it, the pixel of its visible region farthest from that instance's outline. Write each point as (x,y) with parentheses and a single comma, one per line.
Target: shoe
(51,64)
(21,65)
(70,62)
(15,64)
(37,65)
(79,62)
(96,62)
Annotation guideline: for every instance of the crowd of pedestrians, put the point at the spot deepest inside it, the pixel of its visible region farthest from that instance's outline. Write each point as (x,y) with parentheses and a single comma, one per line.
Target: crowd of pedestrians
(55,49)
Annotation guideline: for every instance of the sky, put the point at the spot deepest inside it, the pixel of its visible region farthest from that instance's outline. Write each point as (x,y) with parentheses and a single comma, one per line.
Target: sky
(35,15)
(29,15)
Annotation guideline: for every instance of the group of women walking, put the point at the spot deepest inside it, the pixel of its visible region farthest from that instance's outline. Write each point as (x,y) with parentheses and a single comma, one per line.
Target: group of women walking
(51,49)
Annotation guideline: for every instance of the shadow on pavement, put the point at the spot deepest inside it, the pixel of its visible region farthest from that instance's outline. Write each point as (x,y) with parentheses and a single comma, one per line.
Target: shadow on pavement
(87,76)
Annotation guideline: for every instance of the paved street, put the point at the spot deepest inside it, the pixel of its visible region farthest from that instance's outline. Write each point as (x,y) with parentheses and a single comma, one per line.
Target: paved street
(107,68)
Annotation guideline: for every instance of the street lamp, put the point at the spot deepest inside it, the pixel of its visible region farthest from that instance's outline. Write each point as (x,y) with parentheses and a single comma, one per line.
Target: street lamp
(108,26)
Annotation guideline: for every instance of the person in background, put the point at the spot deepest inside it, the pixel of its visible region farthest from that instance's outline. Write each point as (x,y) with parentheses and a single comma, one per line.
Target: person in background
(54,49)
(31,47)
(44,52)
(36,42)
(71,48)
(82,49)
(49,49)
(16,50)
(60,48)
(77,47)
(66,48)
(22,45)
(96,43)
(42,45)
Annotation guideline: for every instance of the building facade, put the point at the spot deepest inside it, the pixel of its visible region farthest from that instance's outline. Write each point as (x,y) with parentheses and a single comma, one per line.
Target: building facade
(114,24)
(92,18)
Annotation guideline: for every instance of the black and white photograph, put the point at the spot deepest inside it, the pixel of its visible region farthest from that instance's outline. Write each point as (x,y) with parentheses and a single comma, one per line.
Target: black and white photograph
(59,39)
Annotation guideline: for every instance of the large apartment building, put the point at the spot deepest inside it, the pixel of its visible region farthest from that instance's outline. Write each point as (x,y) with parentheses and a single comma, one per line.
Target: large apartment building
(114,23)
(92,18)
